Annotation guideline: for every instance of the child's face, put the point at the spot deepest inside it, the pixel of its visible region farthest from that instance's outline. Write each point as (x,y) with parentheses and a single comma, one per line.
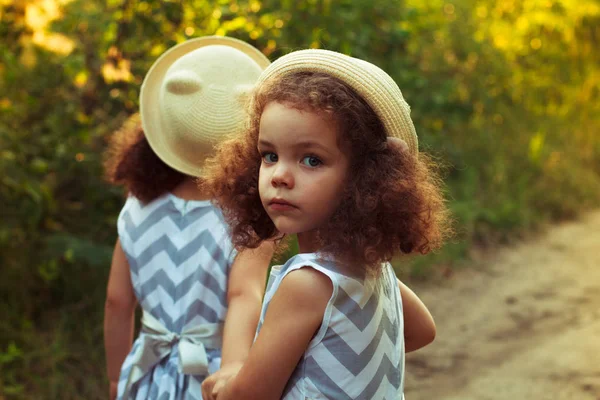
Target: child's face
(303,170)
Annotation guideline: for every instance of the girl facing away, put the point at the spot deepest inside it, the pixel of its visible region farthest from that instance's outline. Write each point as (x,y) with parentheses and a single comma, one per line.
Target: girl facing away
(200,298)
(331,156)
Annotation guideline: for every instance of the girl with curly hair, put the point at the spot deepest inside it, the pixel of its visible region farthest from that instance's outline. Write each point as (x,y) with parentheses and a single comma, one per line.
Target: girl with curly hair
(330,155)
(200,299)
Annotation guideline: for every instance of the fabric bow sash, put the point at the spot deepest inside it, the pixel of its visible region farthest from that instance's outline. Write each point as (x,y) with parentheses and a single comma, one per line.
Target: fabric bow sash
(157,343)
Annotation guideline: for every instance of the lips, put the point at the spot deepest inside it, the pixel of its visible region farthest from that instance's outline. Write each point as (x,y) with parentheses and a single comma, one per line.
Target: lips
(281,205)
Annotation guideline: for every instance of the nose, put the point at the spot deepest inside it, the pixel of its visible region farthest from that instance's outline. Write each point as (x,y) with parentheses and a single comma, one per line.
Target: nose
(282,176)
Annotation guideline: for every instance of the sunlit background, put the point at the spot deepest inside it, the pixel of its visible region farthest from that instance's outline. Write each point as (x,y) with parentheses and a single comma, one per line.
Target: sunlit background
(505,93)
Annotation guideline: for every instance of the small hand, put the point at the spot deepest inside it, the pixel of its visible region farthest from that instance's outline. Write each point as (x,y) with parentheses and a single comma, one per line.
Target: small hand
(214,384)
(112,390)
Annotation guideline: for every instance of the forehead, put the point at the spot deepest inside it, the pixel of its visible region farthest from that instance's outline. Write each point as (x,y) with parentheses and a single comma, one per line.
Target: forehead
(285,124)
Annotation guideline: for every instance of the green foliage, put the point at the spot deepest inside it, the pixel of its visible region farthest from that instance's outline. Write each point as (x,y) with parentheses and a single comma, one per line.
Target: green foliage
(505,94)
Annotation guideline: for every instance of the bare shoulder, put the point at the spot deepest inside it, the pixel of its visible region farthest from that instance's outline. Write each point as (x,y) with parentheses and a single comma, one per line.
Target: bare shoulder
(307,287)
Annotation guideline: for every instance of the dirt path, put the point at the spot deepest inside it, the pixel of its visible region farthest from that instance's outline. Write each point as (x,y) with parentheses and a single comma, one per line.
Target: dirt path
(525,324)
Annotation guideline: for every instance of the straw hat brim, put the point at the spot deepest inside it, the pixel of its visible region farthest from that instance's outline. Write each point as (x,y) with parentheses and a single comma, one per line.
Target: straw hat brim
(374,85)
(153,122)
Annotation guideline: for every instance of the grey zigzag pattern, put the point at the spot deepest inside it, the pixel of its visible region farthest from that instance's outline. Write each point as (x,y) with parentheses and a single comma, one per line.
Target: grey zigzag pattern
(355,362)
(370,323)
(196,308)
(179,263)
(166,210)
(294,261)
(177,291)
(332,391)
(148,388)
(179,256)
(359,316)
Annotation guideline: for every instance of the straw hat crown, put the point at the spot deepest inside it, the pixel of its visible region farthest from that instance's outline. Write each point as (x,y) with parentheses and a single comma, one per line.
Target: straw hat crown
(375,86)
(193,97)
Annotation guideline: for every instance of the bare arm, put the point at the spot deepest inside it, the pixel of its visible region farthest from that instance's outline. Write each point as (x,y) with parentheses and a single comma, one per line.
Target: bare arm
(419,327)
(119,313)
(295,313)
(246,286)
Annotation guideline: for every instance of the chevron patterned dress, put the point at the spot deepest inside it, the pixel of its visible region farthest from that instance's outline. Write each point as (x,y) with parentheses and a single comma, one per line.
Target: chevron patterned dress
(358,353)
(179,255)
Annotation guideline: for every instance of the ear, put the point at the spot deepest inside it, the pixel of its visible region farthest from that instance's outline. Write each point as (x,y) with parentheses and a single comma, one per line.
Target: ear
(183,82)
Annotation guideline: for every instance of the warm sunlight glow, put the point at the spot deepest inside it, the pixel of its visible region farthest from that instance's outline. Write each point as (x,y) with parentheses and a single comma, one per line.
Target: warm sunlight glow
(38,16)
(54,42)
(115,73)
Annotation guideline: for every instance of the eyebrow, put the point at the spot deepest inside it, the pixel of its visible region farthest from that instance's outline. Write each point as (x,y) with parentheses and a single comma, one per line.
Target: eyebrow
(265,143)
(302,145)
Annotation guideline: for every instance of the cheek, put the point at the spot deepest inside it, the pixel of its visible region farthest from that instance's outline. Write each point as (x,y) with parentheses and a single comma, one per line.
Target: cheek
(263,181)
(329,194)
(337,198)
(337,190)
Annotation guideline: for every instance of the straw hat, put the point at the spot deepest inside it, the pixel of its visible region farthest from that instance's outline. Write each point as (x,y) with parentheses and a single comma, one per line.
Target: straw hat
(376,87)
(194,95)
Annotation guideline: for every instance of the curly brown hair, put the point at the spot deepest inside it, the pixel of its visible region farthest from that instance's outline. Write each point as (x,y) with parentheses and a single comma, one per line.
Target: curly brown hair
(131,162)
(392,201)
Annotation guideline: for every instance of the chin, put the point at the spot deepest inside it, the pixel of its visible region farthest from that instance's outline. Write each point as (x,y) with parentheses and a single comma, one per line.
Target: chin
(285,227)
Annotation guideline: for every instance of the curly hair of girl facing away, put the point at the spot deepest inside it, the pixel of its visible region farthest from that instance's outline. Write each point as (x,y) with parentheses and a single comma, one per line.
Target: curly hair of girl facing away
(200,298)
(330,155)
(131,163)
